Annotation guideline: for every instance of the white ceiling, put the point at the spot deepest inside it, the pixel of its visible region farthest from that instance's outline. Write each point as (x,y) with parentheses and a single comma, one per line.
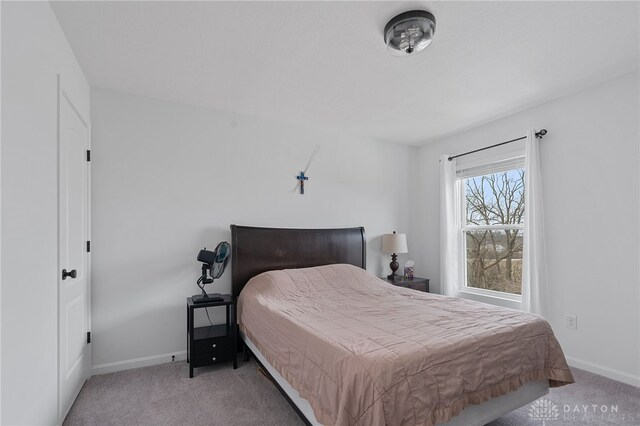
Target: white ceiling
(324,64)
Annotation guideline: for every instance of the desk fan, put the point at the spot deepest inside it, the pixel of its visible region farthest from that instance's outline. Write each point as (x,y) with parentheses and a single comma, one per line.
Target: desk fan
(213,264)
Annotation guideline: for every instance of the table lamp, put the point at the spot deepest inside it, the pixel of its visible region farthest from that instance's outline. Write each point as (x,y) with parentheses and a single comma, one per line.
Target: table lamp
(393,244)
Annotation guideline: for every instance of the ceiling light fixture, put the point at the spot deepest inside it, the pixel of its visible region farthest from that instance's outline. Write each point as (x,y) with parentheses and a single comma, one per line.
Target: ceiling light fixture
(409,32)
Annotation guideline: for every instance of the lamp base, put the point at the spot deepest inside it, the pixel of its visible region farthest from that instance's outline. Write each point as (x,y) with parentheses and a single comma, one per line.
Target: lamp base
(204,298)
(394,265)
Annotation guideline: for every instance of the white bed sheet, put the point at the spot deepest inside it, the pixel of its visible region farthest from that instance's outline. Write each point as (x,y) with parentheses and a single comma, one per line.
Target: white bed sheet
(472,415)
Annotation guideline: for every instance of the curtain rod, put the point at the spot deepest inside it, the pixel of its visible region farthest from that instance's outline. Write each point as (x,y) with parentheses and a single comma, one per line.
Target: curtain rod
(539,134)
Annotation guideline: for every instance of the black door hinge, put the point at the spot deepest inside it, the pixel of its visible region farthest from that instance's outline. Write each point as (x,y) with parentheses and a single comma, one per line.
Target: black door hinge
(88,337)
(88,246)
(88,155)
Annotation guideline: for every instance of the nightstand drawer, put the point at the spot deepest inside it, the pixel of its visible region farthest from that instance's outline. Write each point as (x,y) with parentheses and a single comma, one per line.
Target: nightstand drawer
(216,344)
(212,358)
(417,283)
(421,286)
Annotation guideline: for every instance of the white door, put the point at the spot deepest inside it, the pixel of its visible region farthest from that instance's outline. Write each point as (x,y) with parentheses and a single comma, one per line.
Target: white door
(74,355)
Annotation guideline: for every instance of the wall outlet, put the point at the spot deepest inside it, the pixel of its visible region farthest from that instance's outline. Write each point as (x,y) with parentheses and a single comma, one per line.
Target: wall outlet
(571,322)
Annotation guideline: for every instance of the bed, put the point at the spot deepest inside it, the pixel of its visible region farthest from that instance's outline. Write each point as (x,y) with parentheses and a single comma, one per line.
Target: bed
(347,348)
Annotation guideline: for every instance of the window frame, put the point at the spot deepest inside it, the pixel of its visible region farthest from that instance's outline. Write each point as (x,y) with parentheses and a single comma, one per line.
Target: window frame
(481,294)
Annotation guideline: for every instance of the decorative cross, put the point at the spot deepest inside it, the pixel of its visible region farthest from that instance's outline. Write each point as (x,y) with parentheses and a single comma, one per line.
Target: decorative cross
(302,178)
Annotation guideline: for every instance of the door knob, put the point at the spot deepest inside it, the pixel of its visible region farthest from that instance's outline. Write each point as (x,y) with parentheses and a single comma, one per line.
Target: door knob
(71,274)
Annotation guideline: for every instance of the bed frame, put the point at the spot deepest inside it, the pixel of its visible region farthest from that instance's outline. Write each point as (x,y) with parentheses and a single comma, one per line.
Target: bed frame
(257,250)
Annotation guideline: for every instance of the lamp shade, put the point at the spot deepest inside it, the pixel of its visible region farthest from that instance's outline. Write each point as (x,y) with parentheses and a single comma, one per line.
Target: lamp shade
(394,243)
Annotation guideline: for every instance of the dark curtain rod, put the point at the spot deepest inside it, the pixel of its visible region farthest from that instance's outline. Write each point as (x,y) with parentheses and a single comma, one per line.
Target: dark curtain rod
(539,134)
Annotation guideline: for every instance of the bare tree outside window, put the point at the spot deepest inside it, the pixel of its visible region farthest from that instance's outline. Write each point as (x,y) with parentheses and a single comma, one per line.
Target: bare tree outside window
(493,231)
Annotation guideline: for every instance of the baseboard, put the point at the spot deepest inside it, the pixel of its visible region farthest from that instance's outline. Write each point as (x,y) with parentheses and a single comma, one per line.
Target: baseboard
(129,364)
(617,375)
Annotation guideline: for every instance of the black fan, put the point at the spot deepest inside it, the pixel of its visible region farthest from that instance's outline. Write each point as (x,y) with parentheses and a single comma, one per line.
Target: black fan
(213,264)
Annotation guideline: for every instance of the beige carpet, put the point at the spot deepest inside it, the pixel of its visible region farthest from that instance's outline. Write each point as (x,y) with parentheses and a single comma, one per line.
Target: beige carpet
(164,395)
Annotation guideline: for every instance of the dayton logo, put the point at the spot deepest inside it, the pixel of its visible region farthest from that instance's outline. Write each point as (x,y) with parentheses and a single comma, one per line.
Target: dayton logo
(543,410)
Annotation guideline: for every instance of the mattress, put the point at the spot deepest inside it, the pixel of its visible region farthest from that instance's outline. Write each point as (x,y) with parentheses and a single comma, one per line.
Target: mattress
(363,352)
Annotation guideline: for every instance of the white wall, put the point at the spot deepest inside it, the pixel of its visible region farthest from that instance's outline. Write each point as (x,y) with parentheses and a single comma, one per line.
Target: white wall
(168,179)
(34,50)
(591,188)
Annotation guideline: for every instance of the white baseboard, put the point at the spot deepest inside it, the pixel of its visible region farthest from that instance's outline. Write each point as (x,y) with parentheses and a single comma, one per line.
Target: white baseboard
(129,364)
(620,376)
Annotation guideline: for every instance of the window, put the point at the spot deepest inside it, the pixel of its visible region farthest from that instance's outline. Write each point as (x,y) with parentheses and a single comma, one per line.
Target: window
(492,224)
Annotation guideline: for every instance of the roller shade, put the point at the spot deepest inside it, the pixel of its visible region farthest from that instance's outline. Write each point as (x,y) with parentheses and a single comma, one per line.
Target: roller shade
(487,169)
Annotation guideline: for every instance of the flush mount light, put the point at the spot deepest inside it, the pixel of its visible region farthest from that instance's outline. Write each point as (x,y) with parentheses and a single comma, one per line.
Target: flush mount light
(409,32)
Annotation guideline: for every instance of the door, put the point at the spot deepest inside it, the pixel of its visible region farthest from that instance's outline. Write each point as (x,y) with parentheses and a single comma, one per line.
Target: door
(74,355)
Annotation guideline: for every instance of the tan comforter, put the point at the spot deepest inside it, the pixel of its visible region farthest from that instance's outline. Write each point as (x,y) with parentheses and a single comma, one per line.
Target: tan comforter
(364,352)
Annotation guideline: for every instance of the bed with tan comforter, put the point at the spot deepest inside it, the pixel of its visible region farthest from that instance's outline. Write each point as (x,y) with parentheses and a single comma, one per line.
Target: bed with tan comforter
(364,352)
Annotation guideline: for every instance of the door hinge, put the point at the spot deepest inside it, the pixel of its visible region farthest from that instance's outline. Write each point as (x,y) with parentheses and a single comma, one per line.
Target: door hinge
(88,337)
(88,155)
(88,246)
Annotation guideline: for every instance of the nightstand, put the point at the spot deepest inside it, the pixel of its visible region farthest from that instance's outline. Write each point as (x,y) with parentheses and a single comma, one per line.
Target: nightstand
(212,344)
(417,283)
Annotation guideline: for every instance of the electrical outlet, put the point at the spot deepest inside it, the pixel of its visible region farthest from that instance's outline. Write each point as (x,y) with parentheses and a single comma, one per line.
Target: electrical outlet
(572,322)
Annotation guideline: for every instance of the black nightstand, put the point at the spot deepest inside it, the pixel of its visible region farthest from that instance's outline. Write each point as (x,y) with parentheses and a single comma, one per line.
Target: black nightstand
(417,283)
(211,344)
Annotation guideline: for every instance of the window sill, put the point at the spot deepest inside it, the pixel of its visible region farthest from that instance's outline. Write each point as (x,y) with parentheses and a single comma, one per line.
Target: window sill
(513,302)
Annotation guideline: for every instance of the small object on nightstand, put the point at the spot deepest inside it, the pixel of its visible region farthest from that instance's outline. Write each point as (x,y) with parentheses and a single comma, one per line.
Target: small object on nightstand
(212,344)
(408,270)
(417,283)
(393,244)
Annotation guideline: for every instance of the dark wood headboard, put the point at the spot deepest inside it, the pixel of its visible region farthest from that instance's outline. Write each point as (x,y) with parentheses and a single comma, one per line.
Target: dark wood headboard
(257,250)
